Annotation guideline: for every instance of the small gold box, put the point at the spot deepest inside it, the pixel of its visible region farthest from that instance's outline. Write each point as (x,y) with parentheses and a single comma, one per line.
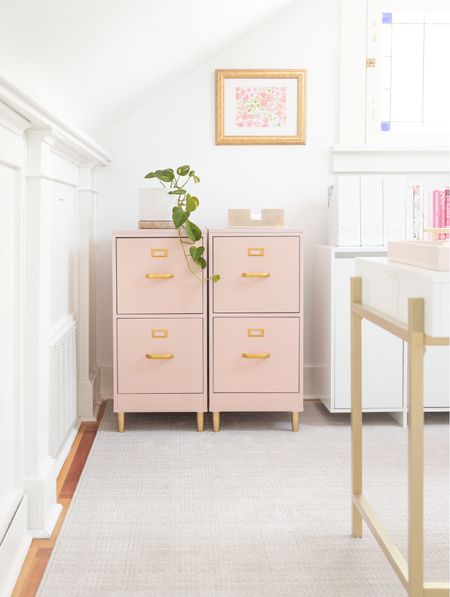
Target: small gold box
(267,217)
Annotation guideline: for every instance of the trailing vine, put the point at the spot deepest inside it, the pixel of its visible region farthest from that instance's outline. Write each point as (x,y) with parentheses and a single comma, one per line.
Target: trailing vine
(175,183)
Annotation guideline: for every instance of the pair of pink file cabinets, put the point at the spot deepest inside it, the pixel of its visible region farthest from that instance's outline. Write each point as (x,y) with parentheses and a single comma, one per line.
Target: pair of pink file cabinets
(181,345)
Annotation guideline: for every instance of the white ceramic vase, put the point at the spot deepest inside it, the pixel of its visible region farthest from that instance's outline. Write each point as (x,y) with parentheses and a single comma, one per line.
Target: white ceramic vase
(155,205)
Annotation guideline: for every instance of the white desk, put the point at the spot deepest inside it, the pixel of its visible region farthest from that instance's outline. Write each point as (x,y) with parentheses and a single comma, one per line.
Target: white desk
(387,286)
(412,304)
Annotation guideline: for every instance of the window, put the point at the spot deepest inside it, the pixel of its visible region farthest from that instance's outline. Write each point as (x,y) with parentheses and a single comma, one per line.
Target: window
(408,82)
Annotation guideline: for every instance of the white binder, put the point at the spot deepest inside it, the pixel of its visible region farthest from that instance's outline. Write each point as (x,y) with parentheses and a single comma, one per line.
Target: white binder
(344,228)
(372,210)
(394,207)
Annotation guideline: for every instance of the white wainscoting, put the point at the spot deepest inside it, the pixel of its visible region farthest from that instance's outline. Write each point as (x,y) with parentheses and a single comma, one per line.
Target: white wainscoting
(13,548)
(14,537)
(63,386)
(46,243)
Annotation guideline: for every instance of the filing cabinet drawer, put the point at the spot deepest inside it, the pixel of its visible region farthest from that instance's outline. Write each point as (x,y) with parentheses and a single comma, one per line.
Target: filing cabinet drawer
(257,274)
(256,354)
(159,356)
(152,277)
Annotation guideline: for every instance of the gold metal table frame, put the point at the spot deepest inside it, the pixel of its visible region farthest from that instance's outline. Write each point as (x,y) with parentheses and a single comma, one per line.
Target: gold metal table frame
(411,572)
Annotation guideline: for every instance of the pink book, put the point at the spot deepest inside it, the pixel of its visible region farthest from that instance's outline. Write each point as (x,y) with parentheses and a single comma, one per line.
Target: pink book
(442,236)
(430,209)
(438,211)
(418,214)
(447,210)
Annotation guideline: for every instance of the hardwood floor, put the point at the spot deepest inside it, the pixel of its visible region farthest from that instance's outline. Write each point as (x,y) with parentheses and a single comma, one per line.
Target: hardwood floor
(41,549)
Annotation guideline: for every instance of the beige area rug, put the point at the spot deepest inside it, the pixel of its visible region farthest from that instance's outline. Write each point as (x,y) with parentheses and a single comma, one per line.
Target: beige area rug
(253,511)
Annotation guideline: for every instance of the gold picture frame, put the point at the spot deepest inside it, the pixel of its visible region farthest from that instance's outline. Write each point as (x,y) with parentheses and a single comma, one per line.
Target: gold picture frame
(262,111)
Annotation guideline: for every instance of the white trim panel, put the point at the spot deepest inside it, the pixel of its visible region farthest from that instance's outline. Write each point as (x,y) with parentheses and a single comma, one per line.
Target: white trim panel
(363,158)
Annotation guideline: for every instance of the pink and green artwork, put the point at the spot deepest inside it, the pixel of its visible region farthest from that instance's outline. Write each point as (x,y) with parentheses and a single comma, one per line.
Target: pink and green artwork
(261,107)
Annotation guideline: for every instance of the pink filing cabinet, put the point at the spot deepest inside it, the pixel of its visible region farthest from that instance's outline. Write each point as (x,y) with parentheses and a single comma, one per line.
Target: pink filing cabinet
(159,327)
(256,321)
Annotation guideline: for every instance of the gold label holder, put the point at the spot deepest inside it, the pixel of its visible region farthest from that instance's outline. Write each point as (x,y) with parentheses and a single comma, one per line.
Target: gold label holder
(160,333)
(255,332)
(255,251)
(159,253)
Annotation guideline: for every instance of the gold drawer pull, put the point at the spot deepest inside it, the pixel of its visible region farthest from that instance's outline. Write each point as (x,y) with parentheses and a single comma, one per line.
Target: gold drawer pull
(160,355)
(158,276)
(256,355)
(256,275)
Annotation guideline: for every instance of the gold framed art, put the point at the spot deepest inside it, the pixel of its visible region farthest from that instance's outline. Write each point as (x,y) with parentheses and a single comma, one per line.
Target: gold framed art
(260,107)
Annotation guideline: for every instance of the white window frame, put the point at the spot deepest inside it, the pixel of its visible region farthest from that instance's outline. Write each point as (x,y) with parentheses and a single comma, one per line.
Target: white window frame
(373,133)
(356,150)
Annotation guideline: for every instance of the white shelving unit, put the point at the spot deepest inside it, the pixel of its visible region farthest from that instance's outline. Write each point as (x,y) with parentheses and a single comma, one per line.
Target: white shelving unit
(389,284)
(333,267)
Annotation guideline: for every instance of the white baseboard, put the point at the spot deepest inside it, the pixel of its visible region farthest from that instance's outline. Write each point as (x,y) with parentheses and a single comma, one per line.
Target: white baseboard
(86,398)
(105,383)
(51,518)
(64,451)
(308,381)
(43,509)
(14,549)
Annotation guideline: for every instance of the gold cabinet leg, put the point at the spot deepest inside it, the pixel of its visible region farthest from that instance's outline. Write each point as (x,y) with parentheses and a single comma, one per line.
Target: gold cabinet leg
(415,445)
(356,412)
(295,421)
(200,422)
(216,422)
(121,422)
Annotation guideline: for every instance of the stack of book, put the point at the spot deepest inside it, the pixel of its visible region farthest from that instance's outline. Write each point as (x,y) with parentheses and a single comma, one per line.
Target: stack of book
(430,209)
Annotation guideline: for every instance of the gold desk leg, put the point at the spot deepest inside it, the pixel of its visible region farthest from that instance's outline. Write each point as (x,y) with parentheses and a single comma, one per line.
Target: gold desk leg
(295,420)
(121,422)
(216,422)
(200,422)
(415,445)
(356,415)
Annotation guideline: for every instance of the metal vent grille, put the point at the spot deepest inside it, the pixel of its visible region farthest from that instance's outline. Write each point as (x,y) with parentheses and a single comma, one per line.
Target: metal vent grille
(63,399)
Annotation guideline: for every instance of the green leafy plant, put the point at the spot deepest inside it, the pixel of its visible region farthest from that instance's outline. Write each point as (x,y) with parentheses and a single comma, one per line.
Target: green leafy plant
(175,183)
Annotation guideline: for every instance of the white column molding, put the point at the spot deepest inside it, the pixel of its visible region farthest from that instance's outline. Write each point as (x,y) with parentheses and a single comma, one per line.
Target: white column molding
(48,158)
(87,178)
(12,127)
(40,118)
(39,142)
(12,120)
(52,161)
(85,315)
(39,477)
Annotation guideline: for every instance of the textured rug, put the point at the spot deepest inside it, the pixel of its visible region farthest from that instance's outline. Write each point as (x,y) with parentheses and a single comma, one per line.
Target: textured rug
(252,511)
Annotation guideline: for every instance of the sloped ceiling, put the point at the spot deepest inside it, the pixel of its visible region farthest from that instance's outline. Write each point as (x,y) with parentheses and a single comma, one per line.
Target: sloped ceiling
(93,62)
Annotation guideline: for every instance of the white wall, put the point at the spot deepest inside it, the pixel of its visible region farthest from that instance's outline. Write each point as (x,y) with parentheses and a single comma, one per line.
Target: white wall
(178,127)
